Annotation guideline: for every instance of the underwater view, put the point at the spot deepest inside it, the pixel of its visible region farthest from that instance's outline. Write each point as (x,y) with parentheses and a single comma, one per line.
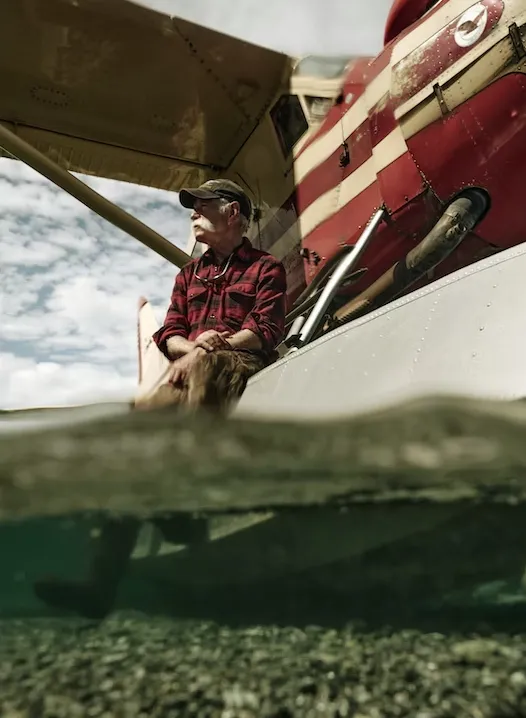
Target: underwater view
(370,566)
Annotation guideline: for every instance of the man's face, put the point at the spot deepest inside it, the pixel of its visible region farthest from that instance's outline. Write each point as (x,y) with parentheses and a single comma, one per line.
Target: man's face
(209,224)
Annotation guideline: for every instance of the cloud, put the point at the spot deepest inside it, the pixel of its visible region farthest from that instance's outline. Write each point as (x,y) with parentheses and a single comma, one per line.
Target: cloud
(57,383)
(70,286)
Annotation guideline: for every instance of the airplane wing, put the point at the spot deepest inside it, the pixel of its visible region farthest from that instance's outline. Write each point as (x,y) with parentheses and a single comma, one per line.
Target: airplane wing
(113,89)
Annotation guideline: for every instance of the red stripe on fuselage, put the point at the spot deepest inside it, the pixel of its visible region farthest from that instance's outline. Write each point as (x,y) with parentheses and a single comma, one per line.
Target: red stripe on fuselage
(320,180)
(336,113)
(360,74)
(381,122)
(329,174)
(400,21)
(345,224)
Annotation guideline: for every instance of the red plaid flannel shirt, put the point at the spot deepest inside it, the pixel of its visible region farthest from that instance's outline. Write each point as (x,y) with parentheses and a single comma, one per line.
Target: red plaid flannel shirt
(250,295)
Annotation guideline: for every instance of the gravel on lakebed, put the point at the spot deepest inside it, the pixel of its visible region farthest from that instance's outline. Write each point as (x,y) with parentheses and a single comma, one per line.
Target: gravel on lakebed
(136,666)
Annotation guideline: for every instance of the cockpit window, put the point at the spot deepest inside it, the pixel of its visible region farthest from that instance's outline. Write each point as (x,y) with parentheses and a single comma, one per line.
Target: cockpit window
(318,107)
(326,68)
(289,120)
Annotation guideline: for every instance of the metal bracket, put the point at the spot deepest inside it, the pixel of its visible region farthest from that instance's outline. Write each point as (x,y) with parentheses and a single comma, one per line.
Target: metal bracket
(303,329)
(345,157)
(444,109)
(516,39)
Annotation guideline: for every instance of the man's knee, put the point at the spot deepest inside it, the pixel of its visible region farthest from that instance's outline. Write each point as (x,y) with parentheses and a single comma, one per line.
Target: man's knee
(215,380)
(165,395)
(201,380)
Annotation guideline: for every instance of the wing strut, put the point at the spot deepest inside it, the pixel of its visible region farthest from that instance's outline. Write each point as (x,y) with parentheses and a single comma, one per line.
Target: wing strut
(28,154)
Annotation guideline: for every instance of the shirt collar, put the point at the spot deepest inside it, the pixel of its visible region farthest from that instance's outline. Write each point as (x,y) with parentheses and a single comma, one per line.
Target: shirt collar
(242,252)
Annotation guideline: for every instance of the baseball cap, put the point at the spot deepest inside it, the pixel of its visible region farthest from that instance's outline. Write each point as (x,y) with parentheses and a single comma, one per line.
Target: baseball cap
(215,189)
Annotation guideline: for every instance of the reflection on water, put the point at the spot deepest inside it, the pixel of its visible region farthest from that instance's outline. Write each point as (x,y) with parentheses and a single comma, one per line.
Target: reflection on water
(373,567)
(407,564)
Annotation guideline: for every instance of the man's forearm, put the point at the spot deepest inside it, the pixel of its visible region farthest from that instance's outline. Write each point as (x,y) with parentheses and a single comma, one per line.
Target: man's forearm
(178,347)
(245,339)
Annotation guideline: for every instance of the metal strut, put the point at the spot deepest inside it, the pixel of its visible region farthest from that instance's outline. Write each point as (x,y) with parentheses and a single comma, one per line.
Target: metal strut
(302,330)
(17,147)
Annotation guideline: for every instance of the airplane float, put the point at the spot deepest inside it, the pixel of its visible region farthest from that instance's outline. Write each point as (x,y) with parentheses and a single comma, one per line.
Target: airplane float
(389,186)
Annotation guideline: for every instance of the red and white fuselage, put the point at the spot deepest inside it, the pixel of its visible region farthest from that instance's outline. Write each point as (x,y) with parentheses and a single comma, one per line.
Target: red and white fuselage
(441,108)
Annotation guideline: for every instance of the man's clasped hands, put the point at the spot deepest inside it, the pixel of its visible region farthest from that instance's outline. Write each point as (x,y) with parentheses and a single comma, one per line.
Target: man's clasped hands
(208,341)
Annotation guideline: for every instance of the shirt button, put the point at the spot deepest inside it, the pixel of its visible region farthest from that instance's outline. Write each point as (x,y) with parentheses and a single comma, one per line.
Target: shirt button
(212,316)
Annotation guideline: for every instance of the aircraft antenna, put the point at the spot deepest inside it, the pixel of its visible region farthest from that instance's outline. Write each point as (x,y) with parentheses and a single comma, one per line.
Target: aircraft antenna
(345,157)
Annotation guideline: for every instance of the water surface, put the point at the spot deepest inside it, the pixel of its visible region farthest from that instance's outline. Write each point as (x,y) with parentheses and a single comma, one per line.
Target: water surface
(368,566)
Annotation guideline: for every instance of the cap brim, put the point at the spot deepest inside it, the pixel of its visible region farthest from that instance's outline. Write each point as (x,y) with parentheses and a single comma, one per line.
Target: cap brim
(187,197)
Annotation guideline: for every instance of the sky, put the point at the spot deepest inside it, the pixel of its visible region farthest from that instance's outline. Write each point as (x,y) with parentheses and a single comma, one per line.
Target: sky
(70,282)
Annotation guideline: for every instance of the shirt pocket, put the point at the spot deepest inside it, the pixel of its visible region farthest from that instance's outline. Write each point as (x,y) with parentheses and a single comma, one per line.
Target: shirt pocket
(197,293)
(241,296)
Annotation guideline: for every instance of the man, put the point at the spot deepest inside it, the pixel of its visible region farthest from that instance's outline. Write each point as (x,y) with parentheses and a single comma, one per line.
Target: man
(227,312)
(225,320)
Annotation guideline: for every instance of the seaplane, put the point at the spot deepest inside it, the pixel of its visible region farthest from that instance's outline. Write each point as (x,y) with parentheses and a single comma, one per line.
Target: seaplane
(389,186)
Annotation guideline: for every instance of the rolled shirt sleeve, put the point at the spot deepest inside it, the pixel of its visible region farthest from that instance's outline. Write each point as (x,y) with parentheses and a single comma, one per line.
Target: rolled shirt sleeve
(176,321)
(267,317)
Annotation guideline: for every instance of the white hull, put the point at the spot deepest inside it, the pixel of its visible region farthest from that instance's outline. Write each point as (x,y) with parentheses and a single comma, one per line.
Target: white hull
(463,335)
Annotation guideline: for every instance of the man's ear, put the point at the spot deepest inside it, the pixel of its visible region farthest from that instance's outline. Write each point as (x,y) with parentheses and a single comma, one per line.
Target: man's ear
(235,210)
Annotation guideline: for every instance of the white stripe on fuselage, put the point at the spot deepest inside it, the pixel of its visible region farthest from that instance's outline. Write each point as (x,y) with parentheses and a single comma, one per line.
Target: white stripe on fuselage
(322,148)
(386,152)
(429,27)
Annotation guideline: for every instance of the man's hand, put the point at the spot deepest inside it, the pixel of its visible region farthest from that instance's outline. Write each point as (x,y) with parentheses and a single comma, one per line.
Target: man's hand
(179,346)
(179,369)
(211,340)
